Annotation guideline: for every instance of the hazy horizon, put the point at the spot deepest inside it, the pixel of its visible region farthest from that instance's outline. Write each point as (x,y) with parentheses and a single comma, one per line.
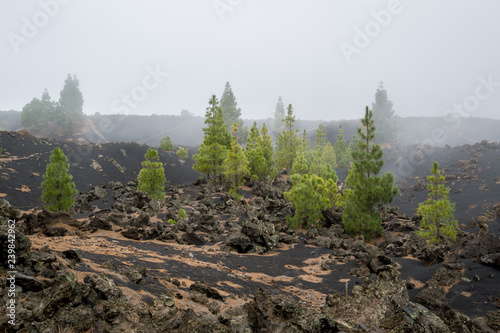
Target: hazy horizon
(325,58)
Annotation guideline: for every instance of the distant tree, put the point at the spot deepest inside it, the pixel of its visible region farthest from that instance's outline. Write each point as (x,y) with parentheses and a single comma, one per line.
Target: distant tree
(267,151)
(340,148)
(182,153)
(310,195)
(437,211)
(236,164)
(384,116)
(57,186)
(279,115)
(320,140)
(37,113)
(71,102)
(151,178)
(216,143)
(232,114)
(366,189)
(353,144)
(328,155)
(166,143)
(288,142)
(186,113)
(255,154)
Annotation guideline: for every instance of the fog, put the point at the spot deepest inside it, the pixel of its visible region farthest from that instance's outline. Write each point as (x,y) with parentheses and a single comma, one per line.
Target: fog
(324,57)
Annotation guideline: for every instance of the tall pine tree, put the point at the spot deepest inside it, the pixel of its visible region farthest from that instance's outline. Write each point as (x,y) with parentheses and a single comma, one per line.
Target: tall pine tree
(216,144)
(255,154)
(288,142)
(151,178)
(70,103)
(236,164)
(279,115)
(320,140)
(384,116)
(340,148)
(232,113)
(57,186)
(267,151)
(367,191)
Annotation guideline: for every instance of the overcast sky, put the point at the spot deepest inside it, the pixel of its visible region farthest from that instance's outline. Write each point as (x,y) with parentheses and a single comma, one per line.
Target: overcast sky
(326,58)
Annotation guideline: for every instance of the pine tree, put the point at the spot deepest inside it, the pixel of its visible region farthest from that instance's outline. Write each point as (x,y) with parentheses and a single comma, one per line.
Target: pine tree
(216,143)
(166,143)
(288,142)
(236,164)
(366,188)
(340,148)
(255,154)
(383,116)
(320,140)
(37,113)
(71,103)
(267,151)
(182,153)
(151,178)
(310,195)
(437,211)
(232,114)
(353,144)
(279,115)
(57,186)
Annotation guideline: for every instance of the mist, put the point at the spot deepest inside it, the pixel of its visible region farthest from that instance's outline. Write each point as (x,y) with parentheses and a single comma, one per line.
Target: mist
(325,58)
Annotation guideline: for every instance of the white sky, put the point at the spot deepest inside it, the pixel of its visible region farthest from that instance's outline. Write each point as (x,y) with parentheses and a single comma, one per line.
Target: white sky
(429,56)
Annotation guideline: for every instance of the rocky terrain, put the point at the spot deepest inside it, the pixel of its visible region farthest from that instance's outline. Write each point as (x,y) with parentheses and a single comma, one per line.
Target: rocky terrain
(116,264)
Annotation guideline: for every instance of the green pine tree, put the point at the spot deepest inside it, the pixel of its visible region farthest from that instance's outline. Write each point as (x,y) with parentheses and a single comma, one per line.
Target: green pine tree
(367,191)
(320,140)
(437,211)
(232,114)
(267,152)
(216,143)
(310,195)
(151,178)
(255,154)
(340,148)
(236,164)
(384,116)
(57,186)
(279,115)
(288,142)
(353,144)
(166,143)
(182,153)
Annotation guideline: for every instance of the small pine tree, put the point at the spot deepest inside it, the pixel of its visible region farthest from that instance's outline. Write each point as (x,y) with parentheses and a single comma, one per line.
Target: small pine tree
(182,153)
(340,148)
(438,223)
(288,142)
(328,155)
(166,143)
(367,189)
(353,144)
(151,178)
(310,195)
(57,186)
(236,164)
